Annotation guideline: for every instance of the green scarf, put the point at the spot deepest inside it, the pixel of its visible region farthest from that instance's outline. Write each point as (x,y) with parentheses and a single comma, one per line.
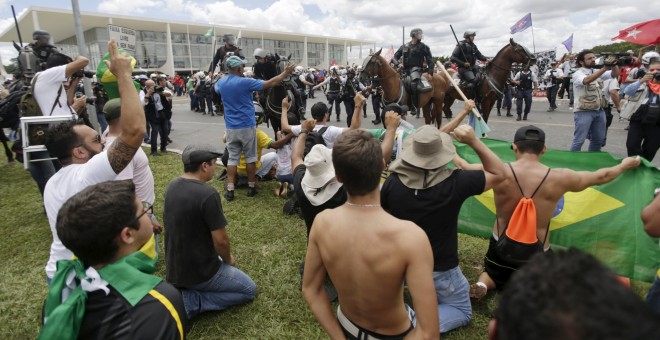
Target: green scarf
(65,305)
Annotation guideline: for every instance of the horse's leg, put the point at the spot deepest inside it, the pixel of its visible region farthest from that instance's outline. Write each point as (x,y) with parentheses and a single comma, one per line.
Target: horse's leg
(437,111)
(446,106)
(486,106)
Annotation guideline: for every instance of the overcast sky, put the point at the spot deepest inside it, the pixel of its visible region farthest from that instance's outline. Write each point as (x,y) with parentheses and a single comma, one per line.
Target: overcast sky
(591,22)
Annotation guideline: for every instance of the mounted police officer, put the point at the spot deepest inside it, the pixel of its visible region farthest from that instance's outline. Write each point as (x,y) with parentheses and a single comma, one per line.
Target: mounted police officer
(414,54)
(465,56)
(32,58)
(221,53)
(264,68)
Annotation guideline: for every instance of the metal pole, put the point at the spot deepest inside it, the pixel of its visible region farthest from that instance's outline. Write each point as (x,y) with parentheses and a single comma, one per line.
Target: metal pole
(82,50)
(18,30)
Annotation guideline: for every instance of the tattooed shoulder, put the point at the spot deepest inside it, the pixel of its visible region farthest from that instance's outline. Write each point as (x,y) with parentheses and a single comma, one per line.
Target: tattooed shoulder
(120,154)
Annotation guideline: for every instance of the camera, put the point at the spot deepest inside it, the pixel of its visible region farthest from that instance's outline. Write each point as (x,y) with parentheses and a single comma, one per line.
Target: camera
(82,73)
(158,88)
(622,59)
(656,77)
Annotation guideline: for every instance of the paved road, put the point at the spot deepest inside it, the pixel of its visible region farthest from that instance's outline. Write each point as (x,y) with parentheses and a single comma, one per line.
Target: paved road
(191,127)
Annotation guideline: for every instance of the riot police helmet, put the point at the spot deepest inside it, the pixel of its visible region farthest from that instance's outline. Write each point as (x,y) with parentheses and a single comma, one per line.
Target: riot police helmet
(299,69)
(229,38)
(40,34)
(417,33)
(260,53)
(469,33)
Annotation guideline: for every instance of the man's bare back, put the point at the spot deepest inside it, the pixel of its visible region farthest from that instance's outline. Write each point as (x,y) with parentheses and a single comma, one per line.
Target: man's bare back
(367,254)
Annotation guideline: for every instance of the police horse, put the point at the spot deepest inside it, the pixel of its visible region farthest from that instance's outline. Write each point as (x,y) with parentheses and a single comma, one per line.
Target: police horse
(396,88)
(491,79)
(273,97)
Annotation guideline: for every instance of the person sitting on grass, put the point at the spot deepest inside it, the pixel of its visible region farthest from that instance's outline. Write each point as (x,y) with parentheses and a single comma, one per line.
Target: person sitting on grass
(369,280)
(108,291)
(528,176)
(197,248)
(563,297)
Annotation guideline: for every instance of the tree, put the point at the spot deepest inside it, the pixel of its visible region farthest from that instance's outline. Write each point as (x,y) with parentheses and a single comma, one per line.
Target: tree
(618,47)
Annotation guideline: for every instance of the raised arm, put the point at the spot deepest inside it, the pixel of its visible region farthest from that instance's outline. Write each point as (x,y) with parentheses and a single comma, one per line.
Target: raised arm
(284,119)
(299,146)
(579,180)
(651,217)
(392,120)
(281,142)
(493,166)
(467,107)
(272,82)
(356,120)
(76,65)
(133,121)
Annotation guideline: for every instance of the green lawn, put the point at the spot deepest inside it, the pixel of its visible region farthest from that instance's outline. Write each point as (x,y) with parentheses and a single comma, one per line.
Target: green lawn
(268,246)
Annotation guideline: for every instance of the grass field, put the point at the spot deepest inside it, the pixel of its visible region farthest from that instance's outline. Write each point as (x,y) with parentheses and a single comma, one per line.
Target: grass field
(267,244)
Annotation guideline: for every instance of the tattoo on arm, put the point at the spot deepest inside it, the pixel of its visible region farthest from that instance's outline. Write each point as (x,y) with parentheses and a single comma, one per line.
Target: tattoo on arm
(120,154)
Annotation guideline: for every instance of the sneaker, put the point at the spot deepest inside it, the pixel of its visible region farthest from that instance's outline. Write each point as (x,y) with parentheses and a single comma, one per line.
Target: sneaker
(477,292)
(518,119)
(289,207)
(229,195)
(509,115)
(252,192)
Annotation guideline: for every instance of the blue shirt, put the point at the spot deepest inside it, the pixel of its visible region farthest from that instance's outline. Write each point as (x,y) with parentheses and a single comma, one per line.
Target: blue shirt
(236,95)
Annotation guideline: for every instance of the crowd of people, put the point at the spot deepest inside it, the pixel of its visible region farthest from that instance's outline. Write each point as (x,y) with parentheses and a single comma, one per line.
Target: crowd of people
(98,195)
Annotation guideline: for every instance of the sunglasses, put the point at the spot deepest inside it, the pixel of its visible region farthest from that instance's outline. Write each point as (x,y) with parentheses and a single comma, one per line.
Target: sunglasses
(147,208)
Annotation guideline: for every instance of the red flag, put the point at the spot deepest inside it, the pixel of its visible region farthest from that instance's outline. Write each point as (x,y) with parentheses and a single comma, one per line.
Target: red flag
(389,54)
(646,33)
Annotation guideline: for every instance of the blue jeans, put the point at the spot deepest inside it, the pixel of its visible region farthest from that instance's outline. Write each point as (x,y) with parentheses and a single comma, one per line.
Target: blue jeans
(653,296)
(453,292)
(592,123)
(228,287)
(42,171)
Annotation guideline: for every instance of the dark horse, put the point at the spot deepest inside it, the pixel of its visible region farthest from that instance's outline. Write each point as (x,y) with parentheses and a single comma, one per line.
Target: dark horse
(273,98)
(491,79)
(394,90)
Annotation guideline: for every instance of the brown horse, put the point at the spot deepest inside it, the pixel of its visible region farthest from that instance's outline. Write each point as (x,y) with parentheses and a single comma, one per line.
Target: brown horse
(394,91)
(492,78)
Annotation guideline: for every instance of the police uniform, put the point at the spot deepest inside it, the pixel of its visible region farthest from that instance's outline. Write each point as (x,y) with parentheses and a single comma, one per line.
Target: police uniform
(467,52)
(220,56)
(414,56)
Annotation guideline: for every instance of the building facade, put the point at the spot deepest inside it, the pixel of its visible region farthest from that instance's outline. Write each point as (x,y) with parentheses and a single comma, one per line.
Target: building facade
(172,46)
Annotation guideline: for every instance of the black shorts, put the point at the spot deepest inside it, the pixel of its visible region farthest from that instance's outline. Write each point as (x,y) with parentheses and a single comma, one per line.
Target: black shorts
(500,271)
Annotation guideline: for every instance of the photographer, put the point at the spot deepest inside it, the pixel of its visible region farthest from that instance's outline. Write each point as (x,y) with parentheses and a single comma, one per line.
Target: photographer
(553,78)
(49,92)
(644,133)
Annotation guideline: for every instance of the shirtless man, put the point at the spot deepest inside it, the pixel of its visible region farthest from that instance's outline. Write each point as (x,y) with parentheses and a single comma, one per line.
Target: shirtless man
(369,280)
(529,146)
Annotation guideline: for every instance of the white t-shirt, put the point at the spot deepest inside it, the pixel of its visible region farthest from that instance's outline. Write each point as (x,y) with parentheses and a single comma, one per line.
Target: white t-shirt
(67,182)
(549,73)
(609,85)
(329,136)
(284,160)
(47,84)
(139,171)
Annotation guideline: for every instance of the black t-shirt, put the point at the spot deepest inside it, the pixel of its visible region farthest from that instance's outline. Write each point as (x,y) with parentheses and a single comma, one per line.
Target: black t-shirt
(192,211)
(112,317)
(435,210)
(310,211)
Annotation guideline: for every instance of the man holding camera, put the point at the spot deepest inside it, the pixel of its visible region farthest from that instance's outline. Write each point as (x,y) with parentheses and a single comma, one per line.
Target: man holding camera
(644,132)
(553,78)
(153,99)
(589,108)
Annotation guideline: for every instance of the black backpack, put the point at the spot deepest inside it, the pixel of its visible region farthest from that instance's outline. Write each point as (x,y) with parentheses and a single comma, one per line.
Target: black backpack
(9,112)
(313,138)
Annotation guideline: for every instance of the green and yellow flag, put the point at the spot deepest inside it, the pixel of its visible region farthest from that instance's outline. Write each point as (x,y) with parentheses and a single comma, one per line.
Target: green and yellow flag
(108,80)
(602,220)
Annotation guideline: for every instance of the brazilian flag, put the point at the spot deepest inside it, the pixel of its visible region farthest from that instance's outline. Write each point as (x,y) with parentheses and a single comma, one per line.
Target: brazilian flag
(108,80)
(602,220)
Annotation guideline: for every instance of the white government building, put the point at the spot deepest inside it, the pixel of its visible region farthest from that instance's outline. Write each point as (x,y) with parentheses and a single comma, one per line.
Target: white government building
(175,46)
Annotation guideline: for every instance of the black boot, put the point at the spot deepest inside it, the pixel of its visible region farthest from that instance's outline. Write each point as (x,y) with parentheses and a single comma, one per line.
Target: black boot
(498,112)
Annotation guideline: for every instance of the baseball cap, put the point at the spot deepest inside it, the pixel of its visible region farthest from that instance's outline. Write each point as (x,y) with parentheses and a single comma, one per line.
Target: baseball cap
(197,153)
(234,61)
(400,109)
(529,132)
(112,109)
